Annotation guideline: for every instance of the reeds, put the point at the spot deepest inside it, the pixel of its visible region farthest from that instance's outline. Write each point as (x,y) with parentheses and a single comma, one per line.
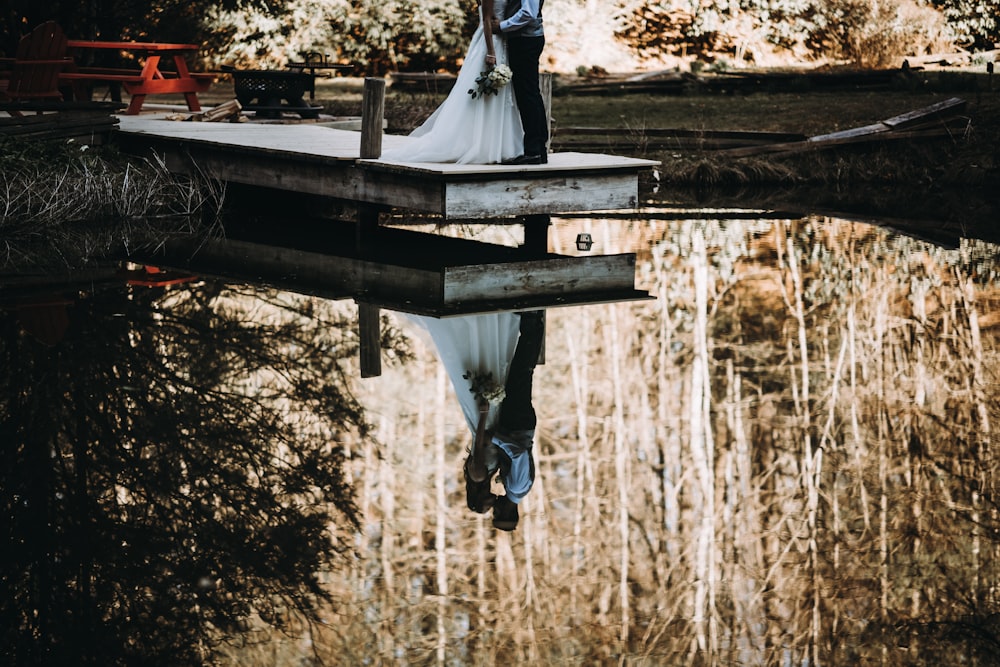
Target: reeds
(76,204)
(758,467)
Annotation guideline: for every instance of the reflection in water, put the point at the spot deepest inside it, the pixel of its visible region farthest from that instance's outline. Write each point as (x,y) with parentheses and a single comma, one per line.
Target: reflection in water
(785,458)
(170,463)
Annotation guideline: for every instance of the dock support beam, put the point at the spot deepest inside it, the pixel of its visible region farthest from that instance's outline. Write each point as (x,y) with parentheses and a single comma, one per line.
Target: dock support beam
(536,234)
(369,320)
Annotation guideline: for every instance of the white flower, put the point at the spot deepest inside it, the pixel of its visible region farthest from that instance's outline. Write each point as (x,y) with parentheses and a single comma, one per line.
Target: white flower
(491,81)
(485,387)
(501,75)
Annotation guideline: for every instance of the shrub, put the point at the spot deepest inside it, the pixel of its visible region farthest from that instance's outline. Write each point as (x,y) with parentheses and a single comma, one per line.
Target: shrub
(975,22)
(652,29)
(378,36)
(875,34)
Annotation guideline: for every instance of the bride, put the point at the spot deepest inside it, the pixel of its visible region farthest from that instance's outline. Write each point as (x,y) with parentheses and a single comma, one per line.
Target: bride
(466,130)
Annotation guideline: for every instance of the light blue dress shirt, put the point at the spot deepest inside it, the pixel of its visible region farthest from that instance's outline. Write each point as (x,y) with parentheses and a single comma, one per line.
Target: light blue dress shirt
(527,22)
(520,478)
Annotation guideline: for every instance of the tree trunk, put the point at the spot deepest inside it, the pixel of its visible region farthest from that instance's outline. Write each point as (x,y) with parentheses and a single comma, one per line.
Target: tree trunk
(621,472)
(702,455)
(440,544)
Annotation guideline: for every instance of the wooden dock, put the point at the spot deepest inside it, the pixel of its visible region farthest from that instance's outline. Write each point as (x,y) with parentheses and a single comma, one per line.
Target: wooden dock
(317,160)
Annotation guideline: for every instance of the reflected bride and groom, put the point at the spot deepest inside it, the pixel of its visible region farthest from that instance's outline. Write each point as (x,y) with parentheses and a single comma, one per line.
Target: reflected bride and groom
(491,360)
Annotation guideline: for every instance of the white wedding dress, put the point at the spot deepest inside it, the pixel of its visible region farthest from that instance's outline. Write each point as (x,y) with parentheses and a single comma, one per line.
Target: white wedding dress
(479,343)
(463,130)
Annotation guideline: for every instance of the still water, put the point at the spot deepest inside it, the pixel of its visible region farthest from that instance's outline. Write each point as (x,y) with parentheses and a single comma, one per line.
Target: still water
(783,456)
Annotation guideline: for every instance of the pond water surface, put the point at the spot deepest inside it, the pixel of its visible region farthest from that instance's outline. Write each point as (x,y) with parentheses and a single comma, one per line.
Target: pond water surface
(784,456)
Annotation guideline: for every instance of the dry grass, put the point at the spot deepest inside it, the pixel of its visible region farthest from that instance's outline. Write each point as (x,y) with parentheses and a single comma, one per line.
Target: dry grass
(67,204)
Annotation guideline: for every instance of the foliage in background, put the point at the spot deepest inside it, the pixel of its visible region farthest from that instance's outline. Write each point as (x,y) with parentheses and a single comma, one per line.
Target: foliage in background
(864,33)
(376,36)
(975,22)
(140,20)
(380,36)
(171,472)
(386,35)
(876,34)
(245,37)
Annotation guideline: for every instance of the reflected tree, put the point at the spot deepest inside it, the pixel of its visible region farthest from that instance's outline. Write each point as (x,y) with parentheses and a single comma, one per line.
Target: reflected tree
(171,469)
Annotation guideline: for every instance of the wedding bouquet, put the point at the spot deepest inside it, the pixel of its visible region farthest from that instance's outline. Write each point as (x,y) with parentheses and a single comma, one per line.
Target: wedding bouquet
(491,81)
(485,387)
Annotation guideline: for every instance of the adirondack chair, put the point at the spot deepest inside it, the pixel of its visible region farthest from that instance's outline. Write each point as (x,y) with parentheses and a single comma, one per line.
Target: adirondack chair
(34,71)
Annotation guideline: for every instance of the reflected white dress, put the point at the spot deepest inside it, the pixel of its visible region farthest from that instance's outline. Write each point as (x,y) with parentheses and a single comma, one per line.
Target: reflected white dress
(483,343)
(463,130)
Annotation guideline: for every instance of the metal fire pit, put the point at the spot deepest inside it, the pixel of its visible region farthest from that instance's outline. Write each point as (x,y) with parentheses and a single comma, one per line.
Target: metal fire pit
(270,88)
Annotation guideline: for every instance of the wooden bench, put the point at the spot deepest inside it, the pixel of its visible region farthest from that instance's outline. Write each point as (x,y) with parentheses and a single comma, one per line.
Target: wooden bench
(84,79)
(139,83)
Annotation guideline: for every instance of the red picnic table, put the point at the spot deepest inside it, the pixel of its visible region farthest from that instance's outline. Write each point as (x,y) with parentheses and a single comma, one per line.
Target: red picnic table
(150,80)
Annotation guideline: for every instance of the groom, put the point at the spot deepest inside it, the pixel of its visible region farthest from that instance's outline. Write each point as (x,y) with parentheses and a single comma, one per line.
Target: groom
(508,448)
(525,40)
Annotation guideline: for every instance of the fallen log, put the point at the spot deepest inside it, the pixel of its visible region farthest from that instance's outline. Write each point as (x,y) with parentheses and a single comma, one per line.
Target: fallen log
(921,123)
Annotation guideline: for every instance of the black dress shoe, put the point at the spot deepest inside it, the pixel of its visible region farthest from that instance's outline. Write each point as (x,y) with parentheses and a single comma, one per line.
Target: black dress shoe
(505,516)
(526,159)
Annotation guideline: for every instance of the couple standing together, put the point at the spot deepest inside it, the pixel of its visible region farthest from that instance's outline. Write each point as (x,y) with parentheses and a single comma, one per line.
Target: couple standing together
(510,127)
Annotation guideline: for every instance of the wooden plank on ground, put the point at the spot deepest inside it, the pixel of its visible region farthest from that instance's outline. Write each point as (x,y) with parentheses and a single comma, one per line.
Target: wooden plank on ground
(852,133)
(756,136)
(806,146)
(892,129)
(945,109)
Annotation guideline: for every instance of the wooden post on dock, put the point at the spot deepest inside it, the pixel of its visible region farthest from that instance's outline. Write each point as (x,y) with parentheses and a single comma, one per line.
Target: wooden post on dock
(536,242)
(372,113)
(369,325)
